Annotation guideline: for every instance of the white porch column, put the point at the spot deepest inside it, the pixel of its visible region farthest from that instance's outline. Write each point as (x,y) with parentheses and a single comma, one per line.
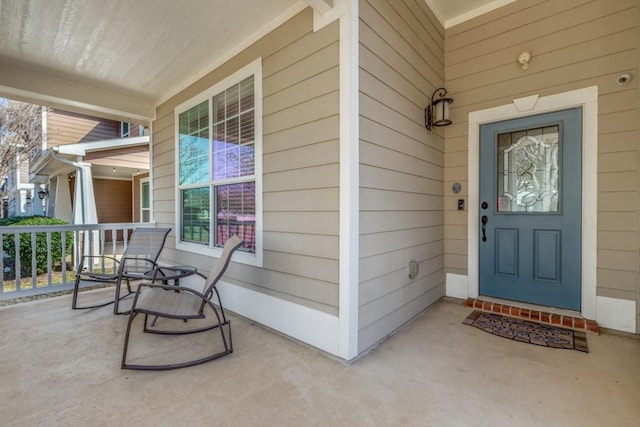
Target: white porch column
(61,201)
(84,204)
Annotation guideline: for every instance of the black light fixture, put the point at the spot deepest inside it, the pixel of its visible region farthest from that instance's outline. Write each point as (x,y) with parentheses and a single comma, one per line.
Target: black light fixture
(43,194)
(437,113)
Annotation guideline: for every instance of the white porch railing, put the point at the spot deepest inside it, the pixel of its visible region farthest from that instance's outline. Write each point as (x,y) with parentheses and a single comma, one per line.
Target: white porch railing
(54,251)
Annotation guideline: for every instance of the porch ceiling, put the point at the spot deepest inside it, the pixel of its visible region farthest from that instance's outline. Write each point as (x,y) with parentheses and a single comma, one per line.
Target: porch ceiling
(120,59)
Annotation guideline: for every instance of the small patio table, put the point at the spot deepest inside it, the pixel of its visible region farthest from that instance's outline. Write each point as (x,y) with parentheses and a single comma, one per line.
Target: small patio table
(166,273)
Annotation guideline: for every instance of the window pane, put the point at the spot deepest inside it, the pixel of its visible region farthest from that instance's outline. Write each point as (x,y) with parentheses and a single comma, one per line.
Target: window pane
(234,124)
(247,155)
(219,111)
(196,217)
(236,214)
(193,145)
(232,101)
(247,127)
(246,94)
(146,215)
(145,194)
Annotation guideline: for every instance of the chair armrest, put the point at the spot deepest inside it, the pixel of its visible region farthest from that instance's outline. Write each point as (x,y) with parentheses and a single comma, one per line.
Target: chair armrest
(139,267)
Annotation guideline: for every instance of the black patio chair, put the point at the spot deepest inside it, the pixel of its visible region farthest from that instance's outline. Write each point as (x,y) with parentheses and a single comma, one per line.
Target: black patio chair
(138,262)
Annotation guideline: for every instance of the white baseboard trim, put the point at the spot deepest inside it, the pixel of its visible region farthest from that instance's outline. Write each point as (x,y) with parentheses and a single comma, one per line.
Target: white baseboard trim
(310,326)
(616,314)
(456,286)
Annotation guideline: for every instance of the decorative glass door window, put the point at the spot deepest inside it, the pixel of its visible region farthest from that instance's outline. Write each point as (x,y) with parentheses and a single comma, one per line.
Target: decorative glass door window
(528,170)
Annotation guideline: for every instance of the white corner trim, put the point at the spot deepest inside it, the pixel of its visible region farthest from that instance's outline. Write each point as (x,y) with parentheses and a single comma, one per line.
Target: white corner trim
(310,326)
(456,286)
(349,183)
(323,16)
(616,314)
(587,98)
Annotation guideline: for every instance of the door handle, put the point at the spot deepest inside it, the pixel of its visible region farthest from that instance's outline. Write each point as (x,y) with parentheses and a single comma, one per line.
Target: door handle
(485,220)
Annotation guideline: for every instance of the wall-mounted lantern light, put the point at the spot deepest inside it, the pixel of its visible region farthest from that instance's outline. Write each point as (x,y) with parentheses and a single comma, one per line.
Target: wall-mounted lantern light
(437,113)
(43,194)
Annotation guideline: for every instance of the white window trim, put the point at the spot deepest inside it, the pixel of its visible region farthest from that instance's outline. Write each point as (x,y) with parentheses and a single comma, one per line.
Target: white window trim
(252,69)
(122,132)
(143,180)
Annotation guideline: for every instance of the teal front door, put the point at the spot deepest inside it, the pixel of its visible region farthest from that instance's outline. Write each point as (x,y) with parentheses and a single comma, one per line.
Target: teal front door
(530,209)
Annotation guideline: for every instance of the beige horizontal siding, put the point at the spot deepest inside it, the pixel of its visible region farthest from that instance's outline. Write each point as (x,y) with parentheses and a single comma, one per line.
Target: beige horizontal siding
(300,164)
(574,44)
(401,166)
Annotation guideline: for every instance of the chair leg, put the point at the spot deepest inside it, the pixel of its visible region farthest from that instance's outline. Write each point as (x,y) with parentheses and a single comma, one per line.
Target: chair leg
(228,346)
(126,340)
(118,297)
(74,300)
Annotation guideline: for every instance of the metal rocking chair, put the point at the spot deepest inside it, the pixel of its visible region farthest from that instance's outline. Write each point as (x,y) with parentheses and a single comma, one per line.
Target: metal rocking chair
(182,303)
(138,262)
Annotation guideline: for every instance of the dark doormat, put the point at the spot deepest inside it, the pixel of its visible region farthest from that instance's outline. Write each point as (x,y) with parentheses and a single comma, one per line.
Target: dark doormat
(526,331)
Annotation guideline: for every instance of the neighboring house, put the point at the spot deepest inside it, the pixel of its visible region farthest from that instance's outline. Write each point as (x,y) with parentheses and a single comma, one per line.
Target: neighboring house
(310,142)
(106,162)
(19,196)
(19,193)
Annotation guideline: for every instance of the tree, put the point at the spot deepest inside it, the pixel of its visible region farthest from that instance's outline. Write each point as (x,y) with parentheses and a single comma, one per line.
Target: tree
(20,134)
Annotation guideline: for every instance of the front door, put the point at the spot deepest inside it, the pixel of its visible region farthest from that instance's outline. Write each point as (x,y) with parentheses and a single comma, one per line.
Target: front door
(530,209)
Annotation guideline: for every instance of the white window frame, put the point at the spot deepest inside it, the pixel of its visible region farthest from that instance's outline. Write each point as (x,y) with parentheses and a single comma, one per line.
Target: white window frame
(124,134)
(142,181)
(252,69)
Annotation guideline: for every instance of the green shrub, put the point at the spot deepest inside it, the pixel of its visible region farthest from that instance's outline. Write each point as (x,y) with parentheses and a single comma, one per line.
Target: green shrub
(57,251)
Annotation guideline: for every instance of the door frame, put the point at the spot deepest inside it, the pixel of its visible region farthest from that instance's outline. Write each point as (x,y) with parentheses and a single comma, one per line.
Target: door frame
(587,98)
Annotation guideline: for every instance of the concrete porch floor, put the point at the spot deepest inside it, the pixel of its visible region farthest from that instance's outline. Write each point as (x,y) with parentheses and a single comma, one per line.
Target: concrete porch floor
(62,367)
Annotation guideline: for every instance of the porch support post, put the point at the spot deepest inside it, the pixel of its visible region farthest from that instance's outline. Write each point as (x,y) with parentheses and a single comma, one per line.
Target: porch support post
(349,182)
(62,208)
(84,206)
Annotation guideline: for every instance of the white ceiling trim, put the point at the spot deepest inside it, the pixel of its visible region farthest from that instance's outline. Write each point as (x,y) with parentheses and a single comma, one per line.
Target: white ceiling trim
(82,148)
(320,6)
(298,7)
(477,12)
(436,11)
(32,85)
(466,16)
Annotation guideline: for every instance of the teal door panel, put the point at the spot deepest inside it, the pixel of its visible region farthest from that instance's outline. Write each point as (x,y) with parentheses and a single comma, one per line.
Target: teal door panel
(531,209)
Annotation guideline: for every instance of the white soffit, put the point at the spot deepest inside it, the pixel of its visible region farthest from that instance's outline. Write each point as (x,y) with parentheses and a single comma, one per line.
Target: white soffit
(454,12)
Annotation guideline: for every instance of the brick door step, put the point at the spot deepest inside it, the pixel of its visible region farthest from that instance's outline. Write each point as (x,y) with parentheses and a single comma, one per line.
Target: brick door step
(566,321)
